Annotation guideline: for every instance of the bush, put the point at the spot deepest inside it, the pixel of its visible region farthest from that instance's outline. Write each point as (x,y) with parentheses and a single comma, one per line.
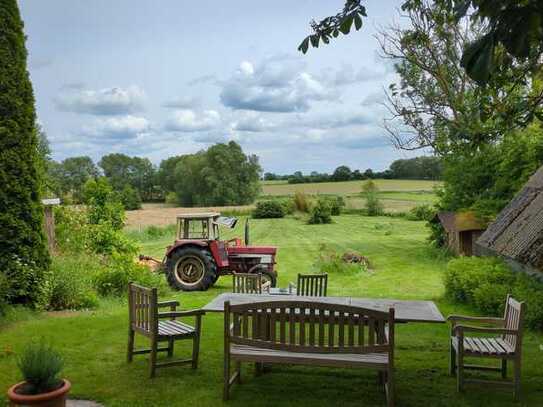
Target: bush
(421,212)
(484,282)
(40,366)
(288,205)
(465,274)
(321,212)
(68,284)
(171,198)
(302,202)
(337,203)
(4,292)
(103,204)
(113,280)
(269,209)
(373,206)
(130,198)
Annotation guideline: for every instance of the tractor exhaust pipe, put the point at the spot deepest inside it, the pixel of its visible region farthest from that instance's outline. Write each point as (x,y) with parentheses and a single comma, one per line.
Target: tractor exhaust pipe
(247,232)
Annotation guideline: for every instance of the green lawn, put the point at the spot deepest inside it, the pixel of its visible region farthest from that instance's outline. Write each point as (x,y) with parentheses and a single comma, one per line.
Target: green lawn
(94,342)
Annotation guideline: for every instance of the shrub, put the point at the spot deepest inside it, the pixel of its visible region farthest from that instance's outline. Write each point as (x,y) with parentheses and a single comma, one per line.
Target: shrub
(4,292)
(269,209)
(321,212)
(465,274)
(484,282)
(302,202)
(288,205)
(40,366)
(103,204)
(337,203)
(105,239)
(113,280)
(530,290)
(68,285)
(130,198)
(421,212)
(171,198)
(373,206)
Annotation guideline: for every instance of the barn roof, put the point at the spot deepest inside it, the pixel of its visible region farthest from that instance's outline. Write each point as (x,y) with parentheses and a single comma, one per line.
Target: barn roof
(517,232)
(460,221)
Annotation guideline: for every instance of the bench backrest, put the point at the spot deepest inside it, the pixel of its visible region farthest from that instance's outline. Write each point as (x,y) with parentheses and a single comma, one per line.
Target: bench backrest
(513,316)
(142,308)
(313,285)
(247,283)
(306,326)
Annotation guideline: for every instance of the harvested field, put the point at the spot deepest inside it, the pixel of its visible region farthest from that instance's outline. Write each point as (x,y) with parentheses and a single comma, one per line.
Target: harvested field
(162,215)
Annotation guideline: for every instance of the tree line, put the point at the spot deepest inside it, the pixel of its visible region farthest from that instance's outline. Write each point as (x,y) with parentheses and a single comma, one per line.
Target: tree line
(423,168)
(221,175)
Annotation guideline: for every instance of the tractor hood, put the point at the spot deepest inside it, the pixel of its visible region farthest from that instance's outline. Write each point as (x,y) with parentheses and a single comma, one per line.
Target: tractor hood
(256,250)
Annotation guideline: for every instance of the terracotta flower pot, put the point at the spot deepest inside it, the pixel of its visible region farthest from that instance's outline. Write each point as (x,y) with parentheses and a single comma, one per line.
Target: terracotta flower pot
(55,398)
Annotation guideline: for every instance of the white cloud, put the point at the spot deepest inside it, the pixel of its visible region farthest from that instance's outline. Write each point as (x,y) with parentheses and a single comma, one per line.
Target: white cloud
(247,68)
(275,85)
(187,120)
(108,101)
(117,128)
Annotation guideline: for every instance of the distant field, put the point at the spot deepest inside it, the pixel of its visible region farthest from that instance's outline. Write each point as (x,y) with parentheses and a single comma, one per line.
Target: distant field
(396,195)
(281,188)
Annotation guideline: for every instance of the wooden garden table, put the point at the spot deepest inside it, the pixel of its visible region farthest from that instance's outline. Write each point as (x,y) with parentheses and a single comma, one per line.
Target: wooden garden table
(405,311)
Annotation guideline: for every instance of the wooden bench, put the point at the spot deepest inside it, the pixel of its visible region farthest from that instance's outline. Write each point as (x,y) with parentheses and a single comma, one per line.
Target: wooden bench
(145,319)
(308,333)
(504,344)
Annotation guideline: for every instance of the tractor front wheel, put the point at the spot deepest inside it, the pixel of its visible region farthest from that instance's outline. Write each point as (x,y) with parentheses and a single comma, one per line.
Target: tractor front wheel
(191,269)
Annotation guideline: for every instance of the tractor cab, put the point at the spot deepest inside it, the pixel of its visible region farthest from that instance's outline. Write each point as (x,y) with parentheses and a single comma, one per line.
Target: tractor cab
(202,226)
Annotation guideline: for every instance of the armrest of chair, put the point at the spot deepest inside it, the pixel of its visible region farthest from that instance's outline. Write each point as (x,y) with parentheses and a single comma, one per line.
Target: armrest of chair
(498,331)
(266,286)
(454,319)
(163,304)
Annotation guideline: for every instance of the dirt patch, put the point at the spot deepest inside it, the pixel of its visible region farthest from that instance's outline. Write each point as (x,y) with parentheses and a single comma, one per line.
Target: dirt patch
(161,215)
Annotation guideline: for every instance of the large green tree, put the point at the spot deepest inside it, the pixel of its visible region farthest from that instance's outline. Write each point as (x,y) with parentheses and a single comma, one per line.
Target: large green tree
(70,176)
(221,175)
(136,172)
(23,251)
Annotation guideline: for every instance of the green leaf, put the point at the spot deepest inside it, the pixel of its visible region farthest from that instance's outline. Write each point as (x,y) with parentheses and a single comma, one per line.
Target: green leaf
(304,45)
(478,59)
(345,26)
(357,22)
(314,40)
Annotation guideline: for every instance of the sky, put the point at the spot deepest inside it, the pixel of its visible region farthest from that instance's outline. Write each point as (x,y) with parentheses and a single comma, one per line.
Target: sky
(161,78)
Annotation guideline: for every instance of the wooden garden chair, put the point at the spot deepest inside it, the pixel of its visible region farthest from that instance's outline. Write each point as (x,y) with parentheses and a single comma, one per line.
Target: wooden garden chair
(312,285)
(145,319)
(249,283)
(505,344)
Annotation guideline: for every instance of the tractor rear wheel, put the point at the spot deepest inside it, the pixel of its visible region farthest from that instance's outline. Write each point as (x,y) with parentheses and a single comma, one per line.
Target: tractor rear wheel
(191,269)
(267,274)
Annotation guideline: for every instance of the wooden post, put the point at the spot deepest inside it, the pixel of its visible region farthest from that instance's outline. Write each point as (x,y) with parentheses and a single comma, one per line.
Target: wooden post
(49,222)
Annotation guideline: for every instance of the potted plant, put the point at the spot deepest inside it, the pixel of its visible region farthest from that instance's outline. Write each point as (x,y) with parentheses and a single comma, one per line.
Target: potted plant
(40,366)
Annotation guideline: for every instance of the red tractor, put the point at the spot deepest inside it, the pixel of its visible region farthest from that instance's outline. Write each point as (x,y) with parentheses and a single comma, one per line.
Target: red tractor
(198,257)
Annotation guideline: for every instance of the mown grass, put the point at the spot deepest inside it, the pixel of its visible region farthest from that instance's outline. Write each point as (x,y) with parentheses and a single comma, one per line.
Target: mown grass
(93,342)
